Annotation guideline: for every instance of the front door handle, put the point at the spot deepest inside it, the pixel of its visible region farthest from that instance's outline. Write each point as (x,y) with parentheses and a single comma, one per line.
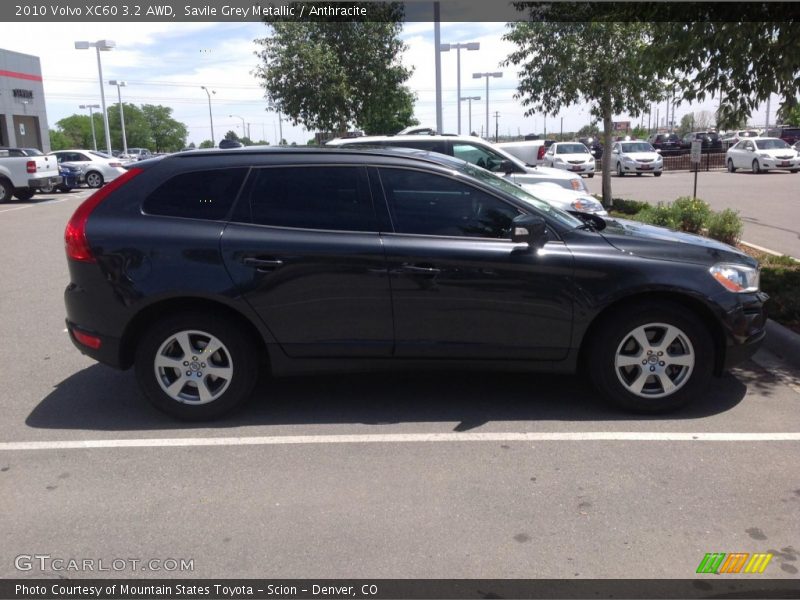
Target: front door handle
(263,265)
(418,270)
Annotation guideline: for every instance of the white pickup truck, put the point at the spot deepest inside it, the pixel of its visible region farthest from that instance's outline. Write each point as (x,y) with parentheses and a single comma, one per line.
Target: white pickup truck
(20,176)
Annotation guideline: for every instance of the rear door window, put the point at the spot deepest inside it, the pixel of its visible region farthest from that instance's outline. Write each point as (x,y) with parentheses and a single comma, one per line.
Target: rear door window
(205,194)
(312,197)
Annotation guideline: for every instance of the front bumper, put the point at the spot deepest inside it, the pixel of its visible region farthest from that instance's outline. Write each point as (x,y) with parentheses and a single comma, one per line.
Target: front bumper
(776,163)
(643,168)
(745,326)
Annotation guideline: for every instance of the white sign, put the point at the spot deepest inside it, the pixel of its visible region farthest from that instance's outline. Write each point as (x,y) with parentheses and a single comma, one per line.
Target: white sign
(697,146)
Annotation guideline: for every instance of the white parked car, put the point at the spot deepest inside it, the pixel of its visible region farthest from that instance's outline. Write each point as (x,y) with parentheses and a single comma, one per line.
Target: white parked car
(569,200)
(636,157)
(531,152)
(96,167)
(762,154)
(570,156)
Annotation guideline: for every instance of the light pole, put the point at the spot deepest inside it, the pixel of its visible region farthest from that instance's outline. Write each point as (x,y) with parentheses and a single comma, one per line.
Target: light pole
(91,120)
(244,131)
(487,75)
(271,105)
(469,99)
(458,47)
(121,84)
(210,116)
(100,45)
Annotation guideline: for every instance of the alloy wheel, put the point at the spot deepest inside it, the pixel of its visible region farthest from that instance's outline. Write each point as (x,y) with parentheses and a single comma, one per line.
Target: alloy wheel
(654,360)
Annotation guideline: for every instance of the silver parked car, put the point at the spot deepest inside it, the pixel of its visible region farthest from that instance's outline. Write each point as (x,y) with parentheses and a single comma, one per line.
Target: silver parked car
(96,167)
(762,154)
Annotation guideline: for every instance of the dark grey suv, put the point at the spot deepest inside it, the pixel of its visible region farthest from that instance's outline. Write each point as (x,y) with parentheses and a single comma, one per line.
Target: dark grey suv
(205,269)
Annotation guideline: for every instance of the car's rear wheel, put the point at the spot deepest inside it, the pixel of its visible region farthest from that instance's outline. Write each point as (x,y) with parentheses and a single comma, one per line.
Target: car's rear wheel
(651,358)
(94,179)
(731,168)
(756,167)
(620,172)
(6,191)
(195,366)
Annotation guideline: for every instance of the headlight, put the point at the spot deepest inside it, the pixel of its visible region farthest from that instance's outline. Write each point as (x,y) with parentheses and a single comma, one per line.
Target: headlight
(588,205)
(736,278)
(763,155)
(628,159)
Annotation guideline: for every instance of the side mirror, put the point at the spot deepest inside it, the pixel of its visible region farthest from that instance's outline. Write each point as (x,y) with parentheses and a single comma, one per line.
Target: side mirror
(528,229)
(506,166)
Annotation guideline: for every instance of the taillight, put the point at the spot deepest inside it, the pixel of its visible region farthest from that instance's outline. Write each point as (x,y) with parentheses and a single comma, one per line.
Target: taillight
(30,166)
(92,341)
(540,153)
(75,240)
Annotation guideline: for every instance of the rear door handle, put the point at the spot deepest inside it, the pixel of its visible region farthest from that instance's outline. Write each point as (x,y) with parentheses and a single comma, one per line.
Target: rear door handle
(263,265)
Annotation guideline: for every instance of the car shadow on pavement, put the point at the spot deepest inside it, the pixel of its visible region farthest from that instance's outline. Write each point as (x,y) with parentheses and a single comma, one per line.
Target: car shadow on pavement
(100,398)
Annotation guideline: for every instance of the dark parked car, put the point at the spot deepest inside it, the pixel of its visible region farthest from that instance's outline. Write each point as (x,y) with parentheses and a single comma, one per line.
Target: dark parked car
(788,133)
(668,143)
(594,146)
(204,269)
(70,179)
(711,142)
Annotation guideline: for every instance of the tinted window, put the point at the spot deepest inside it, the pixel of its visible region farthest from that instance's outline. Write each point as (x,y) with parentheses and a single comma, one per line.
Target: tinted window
(429,145)
(312,198)
(196,195)
(427,204)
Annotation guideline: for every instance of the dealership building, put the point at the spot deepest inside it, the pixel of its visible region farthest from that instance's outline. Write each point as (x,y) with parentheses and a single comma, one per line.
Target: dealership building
(23,117)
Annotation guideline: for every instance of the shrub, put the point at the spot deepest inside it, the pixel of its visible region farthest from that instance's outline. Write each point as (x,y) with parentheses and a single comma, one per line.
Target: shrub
(725,226)
(628,207)
(692,214)
(662,215)
(782,283)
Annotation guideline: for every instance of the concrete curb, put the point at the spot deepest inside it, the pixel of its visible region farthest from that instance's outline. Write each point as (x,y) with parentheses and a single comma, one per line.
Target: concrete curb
(783,342)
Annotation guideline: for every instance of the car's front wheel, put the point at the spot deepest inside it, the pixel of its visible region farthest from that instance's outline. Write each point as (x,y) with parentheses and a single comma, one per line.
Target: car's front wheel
(620,172)
(657,174)
(756,167)
(731,168)
(651,358)
(94,179)
(195,366)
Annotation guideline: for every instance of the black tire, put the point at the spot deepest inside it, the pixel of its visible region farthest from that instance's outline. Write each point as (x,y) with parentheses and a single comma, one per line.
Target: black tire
(23,194)
(657,174)
(238,354)
(638,174)
(65,188)
(620,172)
(793,171)
(48,189)
(616,383)
(756,168)
(731,168)
(94,179)
(6,191)
(591,175)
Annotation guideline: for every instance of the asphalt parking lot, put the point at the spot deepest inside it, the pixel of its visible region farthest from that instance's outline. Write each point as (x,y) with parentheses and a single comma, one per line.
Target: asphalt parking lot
(408,475)
(769,204)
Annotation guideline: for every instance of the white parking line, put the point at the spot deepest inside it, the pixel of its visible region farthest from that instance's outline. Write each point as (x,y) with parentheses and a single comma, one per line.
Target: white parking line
(398,438)
(17,208)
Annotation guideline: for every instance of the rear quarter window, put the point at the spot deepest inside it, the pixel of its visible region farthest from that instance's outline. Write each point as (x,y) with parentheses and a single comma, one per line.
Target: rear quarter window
(205,195)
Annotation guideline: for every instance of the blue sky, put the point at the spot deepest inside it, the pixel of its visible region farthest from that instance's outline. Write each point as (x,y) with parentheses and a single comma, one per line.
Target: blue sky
(166,63)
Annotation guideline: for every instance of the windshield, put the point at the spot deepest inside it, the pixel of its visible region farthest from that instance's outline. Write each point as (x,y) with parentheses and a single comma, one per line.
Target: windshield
(571,149)
(773,144)
(637,147)
(510,188)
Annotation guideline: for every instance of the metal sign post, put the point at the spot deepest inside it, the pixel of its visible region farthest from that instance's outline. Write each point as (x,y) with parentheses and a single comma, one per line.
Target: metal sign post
(697,146)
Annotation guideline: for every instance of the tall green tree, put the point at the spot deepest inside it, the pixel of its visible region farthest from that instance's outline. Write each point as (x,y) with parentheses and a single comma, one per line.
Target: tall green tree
(598,63)
(741,63)
(329,76)
(393,113)
(168,135)
(138,133)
